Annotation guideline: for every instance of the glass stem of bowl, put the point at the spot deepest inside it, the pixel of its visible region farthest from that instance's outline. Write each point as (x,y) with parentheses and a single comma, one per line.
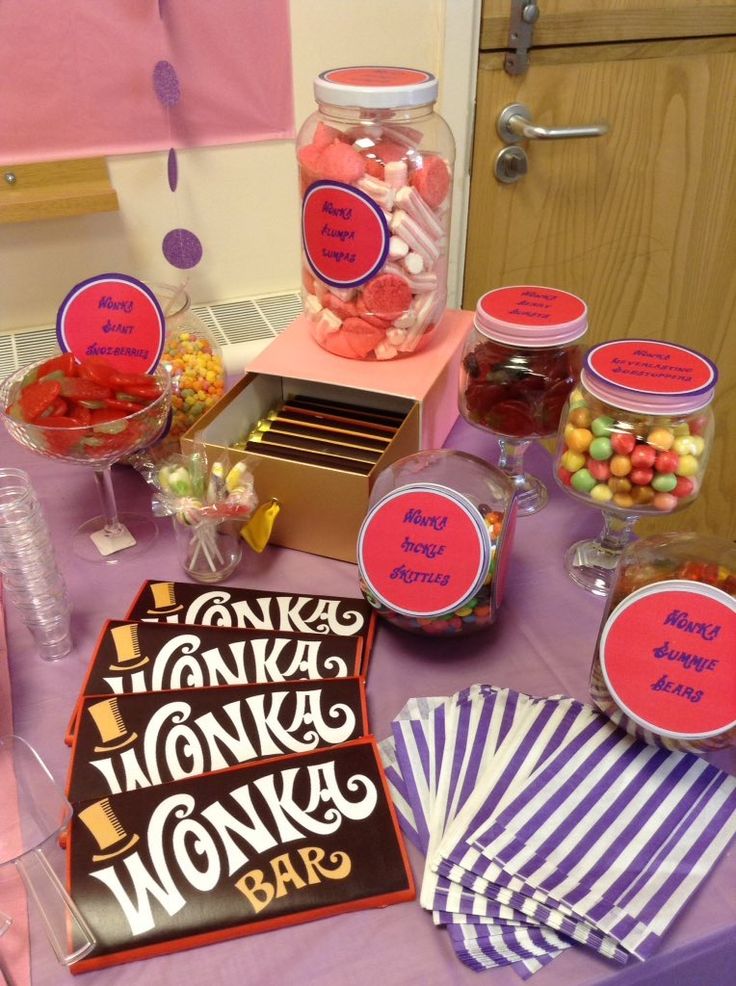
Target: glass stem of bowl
(511,459)
(103,478)
(616,532)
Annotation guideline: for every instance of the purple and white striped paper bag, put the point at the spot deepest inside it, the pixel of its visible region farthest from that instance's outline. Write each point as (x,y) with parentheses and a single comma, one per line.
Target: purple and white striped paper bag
(620,832)
(442,752)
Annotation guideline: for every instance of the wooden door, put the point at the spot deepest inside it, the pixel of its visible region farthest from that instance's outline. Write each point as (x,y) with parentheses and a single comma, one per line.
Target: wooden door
(641,223)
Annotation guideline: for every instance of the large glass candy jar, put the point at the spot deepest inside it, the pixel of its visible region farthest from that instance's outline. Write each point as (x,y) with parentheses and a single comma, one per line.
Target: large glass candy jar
(375,170)
(434,547)
(634,440)
(521,360)
(665,660)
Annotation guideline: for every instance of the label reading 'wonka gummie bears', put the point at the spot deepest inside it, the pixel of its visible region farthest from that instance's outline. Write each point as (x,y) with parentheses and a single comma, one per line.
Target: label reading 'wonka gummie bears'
(668,656)
(423,550)
(345,234)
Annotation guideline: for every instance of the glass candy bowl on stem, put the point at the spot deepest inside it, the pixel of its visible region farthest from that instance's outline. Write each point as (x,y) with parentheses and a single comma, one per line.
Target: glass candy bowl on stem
(634,441)
(98,446)
(519,365)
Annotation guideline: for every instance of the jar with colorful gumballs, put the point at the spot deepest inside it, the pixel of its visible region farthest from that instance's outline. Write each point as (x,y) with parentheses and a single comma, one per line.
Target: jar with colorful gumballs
(665,660)
(520,361)
(434,548)
(634,440)
(193,358)
(375,170)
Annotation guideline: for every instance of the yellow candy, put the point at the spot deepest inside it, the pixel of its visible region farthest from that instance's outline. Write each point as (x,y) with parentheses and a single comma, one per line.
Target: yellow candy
(685,445)
(601,493)
(687,466)
(572,461)
(661,438)
(580,439)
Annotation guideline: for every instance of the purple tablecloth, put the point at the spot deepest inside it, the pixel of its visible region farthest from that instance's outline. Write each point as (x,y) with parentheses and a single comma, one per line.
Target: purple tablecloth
(541,643)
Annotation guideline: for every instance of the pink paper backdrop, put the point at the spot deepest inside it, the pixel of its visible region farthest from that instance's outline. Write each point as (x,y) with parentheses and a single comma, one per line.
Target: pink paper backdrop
(77,75)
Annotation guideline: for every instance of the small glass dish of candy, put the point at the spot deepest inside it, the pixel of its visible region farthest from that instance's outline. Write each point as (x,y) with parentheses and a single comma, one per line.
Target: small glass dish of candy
(89,413)
(519,364)
(434,547)
(634,439)
(665,661)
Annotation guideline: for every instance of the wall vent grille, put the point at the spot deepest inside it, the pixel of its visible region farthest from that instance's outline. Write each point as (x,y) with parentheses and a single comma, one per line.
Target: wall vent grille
(242,327)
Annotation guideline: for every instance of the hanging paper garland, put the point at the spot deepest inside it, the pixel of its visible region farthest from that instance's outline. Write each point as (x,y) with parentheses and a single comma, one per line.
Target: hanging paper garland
(181,247)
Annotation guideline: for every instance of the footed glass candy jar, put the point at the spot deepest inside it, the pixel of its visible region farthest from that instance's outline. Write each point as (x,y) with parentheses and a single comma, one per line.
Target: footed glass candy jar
(434,547)
(634,439)
(521,360)
(665,661)
(375,171)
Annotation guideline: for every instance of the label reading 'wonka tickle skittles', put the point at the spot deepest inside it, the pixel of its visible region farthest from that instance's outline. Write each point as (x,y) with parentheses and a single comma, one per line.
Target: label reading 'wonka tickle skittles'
(423,550)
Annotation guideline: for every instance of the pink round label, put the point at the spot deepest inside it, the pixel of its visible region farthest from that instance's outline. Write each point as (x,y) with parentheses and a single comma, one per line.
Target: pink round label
(344,232)
(116,317)
(651,367)
(376,75)
(668,656)
(424,550)
(529,305)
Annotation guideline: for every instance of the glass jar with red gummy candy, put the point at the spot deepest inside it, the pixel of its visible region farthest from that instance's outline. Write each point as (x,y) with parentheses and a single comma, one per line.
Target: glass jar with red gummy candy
(521,360)
(665,661)
(375,171)
(636,433)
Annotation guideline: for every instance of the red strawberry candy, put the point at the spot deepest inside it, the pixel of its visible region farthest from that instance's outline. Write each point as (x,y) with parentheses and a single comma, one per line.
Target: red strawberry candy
(340,162)
(361,336)
(343,309)
(387,296)
(325,135)
(432,181)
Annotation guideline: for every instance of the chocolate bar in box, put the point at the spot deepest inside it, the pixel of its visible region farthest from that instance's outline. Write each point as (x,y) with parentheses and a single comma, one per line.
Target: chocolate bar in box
(256,609)
(233,853)
(126,742)
(136,656)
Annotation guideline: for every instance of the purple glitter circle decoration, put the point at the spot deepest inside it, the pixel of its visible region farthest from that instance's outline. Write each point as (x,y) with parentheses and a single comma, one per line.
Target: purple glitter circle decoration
(182,248)
(172,168)
(166,84)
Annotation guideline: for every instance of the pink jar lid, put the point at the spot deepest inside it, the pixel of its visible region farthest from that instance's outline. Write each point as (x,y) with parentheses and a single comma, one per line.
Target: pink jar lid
(530,316)
(649,376)
(376,87)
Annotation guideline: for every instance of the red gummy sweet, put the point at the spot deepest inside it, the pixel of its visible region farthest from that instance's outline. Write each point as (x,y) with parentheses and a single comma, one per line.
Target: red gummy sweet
(387,296)
(337,344)
(363,312)
(340,162)
(343,309)
(374,168)
(358,337)
(432,181)
(387,150)
(324,135)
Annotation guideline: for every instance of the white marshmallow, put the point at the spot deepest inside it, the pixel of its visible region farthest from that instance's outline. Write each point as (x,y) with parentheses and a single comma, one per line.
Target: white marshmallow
(413,263)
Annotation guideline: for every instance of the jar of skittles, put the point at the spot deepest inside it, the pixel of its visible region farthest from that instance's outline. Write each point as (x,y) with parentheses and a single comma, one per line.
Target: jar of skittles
(434,547)
(375,170)
(665,662)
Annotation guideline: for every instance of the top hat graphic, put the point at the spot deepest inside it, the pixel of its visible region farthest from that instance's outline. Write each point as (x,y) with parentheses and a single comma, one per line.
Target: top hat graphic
(127,648)
(113,731)
(164,600)
(107,831)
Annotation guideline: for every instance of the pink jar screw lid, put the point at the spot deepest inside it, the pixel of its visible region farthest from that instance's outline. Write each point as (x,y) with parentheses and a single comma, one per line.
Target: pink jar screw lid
(376,87)
(649,376)
(530,316)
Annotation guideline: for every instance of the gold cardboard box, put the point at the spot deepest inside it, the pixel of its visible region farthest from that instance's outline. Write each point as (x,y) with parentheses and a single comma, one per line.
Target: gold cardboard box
(321,508)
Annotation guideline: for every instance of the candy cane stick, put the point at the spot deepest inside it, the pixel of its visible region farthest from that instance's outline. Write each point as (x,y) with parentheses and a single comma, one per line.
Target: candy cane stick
(412,233)
(414,205)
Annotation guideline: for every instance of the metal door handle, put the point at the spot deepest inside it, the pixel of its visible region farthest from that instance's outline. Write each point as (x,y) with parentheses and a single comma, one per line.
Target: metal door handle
(514,124)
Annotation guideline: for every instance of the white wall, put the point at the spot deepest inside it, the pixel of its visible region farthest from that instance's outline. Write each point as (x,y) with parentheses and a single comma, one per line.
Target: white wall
(241,200)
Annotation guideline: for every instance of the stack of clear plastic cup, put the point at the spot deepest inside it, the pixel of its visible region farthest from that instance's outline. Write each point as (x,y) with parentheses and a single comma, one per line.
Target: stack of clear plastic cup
(30,574)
